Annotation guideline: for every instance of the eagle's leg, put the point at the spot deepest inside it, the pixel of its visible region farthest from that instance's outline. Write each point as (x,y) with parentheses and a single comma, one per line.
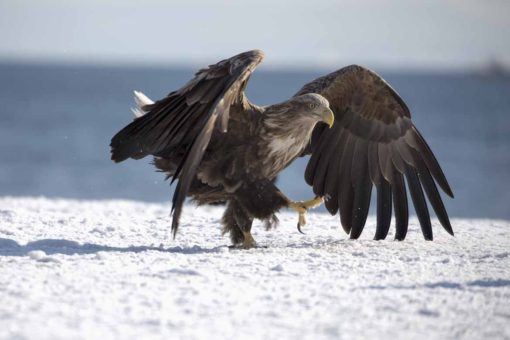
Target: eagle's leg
(301,207)
(244,222)
(262,199)
(238,224)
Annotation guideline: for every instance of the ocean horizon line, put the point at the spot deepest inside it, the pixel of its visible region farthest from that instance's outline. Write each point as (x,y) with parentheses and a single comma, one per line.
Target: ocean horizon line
(489,67)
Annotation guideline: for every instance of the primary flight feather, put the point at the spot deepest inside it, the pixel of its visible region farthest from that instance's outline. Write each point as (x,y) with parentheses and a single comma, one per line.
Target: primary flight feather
(221,148)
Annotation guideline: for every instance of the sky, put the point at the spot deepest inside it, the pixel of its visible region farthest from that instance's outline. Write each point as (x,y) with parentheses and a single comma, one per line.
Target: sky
(301,33)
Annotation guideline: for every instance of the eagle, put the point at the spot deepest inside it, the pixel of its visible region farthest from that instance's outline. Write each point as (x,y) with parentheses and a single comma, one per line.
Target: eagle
(223,149)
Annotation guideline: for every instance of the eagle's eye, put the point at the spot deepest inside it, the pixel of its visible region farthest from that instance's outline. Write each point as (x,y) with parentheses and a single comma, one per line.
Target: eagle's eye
(312,106)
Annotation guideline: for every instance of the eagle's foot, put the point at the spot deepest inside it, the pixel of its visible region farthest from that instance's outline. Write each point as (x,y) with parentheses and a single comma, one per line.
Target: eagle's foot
(249,241)
(301,207)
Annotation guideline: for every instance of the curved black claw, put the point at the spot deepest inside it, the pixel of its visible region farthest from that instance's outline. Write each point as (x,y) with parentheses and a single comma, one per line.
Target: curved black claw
(299,228)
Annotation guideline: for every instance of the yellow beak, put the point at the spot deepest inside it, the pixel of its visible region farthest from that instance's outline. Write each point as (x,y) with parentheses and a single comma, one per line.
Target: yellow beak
(328,117)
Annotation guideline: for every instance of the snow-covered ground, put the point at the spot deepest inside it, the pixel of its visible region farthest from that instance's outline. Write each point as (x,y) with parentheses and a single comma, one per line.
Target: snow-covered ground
(109,269)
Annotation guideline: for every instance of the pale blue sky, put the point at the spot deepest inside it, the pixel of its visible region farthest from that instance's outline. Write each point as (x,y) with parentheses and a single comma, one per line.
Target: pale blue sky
(302,33)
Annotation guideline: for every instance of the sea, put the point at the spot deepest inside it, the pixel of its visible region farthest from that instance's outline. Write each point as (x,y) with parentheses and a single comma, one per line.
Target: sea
(56,122)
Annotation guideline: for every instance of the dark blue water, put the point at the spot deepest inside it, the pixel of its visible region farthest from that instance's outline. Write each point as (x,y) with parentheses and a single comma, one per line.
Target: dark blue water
(56,123)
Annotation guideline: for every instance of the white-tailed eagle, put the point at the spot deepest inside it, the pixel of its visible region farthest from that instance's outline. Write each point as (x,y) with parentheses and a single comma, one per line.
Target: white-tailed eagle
(223,149)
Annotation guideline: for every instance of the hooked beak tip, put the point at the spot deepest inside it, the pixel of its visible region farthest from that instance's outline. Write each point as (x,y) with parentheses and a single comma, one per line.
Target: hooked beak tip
(329,117)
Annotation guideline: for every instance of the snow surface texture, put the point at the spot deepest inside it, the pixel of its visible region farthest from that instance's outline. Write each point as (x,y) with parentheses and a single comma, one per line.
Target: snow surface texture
(109,269)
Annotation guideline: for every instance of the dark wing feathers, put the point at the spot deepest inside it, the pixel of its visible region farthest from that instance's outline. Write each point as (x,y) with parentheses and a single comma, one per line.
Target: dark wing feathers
(383,209)
(182,123)
(344,187)
(432,192)
(420,205)
(331,181)
(398,191)
(360,179)
(373,142)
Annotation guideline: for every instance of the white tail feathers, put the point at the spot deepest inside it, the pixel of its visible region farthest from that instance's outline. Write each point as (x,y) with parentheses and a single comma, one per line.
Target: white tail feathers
(140,100)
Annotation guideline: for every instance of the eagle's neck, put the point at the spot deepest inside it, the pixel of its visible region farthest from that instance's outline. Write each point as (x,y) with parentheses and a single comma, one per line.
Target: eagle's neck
(284,134)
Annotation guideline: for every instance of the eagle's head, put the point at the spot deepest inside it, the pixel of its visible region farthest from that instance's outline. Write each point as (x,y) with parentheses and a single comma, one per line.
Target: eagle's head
(298,116)
(288,127)
(314,107)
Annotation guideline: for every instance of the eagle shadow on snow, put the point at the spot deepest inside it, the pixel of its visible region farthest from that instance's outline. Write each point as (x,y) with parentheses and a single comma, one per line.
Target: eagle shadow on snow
(10,247)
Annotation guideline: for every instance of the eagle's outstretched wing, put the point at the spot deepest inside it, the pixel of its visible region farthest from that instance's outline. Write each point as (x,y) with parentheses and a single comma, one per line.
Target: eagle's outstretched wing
(373,141)
(182,123)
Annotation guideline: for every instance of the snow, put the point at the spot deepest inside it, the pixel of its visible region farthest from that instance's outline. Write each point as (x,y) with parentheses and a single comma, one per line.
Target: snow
(90,269)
